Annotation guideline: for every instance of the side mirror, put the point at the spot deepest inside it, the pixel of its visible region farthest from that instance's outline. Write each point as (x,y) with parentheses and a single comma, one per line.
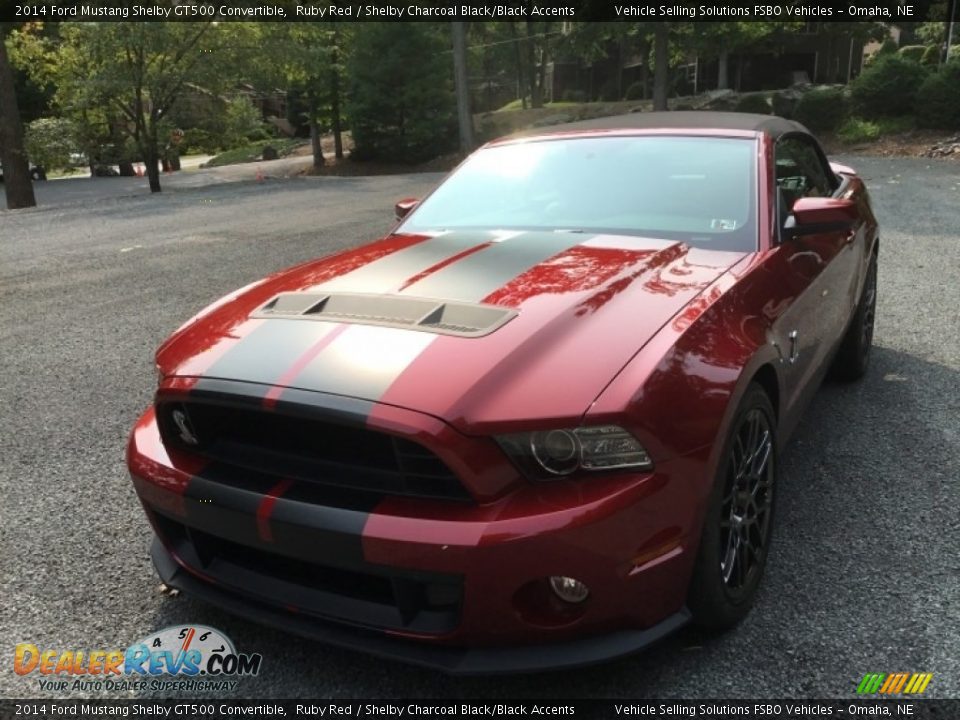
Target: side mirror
(403,207)
(815,215)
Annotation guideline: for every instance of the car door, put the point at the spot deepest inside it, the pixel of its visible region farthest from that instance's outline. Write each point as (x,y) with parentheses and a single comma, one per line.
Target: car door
(818,269)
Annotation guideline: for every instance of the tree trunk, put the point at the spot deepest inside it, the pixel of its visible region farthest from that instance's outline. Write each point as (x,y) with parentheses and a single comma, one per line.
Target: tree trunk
(336,120)
(661,70)
(521,84)
(461,84)
(722,62)
(152,159)
(536,95)
(16,168)
(315,144)
(126,169)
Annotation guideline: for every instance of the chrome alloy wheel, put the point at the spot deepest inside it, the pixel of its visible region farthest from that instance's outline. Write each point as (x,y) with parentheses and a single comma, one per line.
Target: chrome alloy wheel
(747,502)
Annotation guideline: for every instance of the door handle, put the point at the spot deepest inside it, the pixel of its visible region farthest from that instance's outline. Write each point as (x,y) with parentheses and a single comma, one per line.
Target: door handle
(851,236)
(794,350)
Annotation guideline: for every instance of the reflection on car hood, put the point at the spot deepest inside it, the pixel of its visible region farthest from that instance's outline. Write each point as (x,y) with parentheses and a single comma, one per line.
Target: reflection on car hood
(584,306)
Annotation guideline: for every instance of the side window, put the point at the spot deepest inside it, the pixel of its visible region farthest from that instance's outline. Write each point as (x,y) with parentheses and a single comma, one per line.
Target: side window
(800,173)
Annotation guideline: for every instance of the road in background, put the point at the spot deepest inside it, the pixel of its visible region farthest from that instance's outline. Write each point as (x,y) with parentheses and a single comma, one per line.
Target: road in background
(864,574)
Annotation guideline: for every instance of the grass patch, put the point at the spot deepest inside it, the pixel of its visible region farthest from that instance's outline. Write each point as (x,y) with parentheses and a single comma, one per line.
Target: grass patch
(856,130)
(254,151)
(518,105)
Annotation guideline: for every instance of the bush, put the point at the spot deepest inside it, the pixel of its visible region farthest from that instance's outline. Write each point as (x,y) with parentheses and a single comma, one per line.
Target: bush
(822,110)
(857,130)
(49,142)
(400,99)
(912,52)
(888,87)
(608,91)
(931,56)
(753,104)
(938,99)
(785,103)
(634,91)
(574,96)
(196,141)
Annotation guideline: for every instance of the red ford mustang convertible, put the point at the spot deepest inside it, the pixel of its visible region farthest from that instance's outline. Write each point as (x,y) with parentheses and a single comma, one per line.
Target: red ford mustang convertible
(537,425)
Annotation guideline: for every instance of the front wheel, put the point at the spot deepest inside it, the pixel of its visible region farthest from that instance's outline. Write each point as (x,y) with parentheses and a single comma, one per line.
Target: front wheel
(736,534)
(853,357)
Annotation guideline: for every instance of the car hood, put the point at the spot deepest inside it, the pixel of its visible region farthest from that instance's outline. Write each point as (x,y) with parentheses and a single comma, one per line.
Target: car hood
(582,305)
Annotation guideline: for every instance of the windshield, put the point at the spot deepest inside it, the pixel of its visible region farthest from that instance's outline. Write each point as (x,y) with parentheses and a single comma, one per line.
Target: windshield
(699,190)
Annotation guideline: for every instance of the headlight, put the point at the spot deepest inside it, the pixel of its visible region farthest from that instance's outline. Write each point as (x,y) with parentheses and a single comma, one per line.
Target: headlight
(550,453)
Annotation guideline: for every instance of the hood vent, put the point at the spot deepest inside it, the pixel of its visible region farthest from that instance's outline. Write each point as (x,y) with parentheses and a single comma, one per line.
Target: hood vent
(399,311)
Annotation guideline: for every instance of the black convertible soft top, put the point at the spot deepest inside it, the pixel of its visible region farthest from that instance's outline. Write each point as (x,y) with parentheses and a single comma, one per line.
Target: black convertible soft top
(680,119)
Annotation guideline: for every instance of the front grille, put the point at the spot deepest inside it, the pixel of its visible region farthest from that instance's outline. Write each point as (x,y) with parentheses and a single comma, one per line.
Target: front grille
(313,451)
(371,597)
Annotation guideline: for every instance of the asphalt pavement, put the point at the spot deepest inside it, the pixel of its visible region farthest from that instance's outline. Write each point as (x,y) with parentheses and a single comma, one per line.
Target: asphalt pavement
(865,568)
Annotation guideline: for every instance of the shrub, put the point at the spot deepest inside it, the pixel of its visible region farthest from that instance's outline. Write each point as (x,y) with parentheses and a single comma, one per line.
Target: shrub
(912,52)
(634,91)
(938,99)
(574,96)
(753,104)
(785,103)
(857,130)
(931,56)
(50,142)
(888,87)
(822,110)
(608,90)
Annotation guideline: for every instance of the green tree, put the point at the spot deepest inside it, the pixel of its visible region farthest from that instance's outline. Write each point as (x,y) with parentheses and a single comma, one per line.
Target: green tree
(400,101)
(126,78)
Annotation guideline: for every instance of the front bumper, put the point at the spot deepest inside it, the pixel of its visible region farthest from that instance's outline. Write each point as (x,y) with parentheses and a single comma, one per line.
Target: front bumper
(453,586)
(452,660)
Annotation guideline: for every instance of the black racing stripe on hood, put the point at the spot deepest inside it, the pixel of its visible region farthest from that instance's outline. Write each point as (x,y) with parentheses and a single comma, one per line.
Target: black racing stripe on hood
(476,276)
(363,362)
(389,272)
(267,352)
(366,360)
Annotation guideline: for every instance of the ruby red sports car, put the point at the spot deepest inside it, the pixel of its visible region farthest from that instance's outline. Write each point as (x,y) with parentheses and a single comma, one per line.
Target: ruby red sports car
(537,425)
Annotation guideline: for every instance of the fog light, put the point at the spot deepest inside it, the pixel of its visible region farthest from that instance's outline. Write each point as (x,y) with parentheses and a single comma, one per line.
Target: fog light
(568,589)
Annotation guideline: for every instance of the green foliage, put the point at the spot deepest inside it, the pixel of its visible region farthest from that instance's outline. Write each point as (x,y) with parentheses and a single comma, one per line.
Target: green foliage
(784,103)
(889,47)
(938,99)
(634,91)
(251,152)
(608,91)
(822,109)
(401,101)
(50,142)
(887,87)
(931,56)
(198,140)
(856,130)
(912,52)
(754,103)
(242,123)
(574,96)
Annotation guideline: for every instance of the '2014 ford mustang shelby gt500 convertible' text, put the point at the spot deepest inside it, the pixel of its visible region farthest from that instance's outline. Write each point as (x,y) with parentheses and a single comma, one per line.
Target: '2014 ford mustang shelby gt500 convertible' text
(537,425)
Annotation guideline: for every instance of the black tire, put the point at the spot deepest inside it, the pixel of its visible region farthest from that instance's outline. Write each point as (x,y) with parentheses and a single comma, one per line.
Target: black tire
(737,528)
(853,357)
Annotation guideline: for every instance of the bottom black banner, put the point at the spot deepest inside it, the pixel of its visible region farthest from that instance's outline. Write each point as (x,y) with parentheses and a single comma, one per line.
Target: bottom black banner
(314,709)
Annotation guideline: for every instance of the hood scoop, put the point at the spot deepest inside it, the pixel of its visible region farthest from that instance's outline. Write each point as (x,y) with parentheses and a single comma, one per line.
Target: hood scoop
(399,311)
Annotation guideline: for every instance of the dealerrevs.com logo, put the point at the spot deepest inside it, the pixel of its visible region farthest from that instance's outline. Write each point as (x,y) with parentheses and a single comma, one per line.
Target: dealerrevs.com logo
(192,657)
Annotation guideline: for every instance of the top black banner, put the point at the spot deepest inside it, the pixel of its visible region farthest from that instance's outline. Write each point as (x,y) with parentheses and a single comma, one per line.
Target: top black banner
(467,10)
